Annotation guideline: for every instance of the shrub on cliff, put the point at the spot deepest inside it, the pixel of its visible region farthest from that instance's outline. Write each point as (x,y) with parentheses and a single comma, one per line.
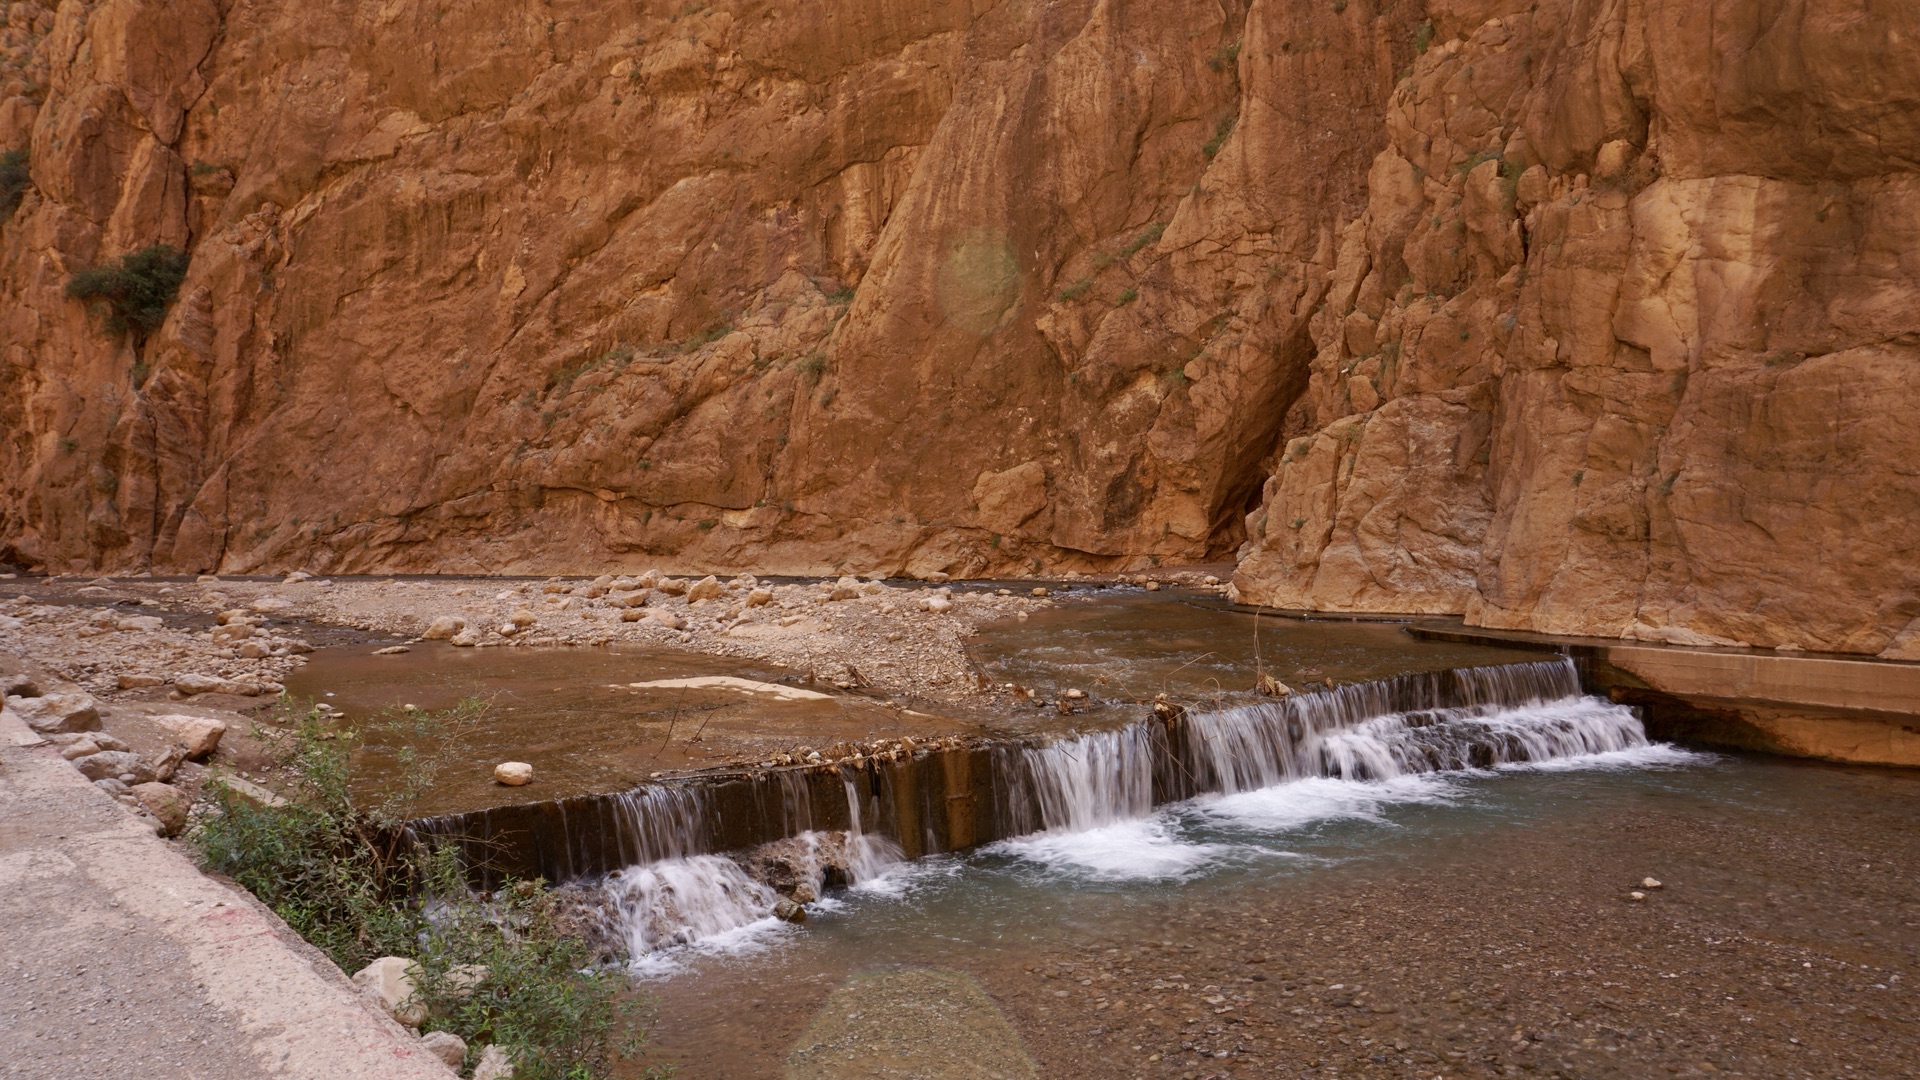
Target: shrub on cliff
(132,293)
(14,181)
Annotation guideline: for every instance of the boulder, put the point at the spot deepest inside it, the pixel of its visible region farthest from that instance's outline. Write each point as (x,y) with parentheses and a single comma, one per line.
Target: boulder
(513,773)
(446,1046)
(392,650)
(197,684)
(389,980)
(937,605)
(81,747)
(495,1064)
(760,597)
(272,605)
(139,622)
(297,577)
(120,765)
(707,588)
(466,639)
(166,803)
(444,627)
(59,712)
(521,618)
(199,736)
(130,681)
(845,589)
(18,684)
(670,586)
(634,599)
(633,615)
(232,632)
(663,617)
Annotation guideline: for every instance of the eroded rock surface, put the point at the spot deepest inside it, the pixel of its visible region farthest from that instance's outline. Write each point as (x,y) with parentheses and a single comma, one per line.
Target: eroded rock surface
(1625,341)
(1565,316)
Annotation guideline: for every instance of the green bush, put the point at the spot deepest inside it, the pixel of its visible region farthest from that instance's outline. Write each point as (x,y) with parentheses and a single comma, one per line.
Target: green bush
(14,181)
(346,875)
(134,291)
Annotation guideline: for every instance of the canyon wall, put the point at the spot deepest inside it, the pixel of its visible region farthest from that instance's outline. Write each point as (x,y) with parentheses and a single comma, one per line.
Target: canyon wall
(1578,315)
(1627,339)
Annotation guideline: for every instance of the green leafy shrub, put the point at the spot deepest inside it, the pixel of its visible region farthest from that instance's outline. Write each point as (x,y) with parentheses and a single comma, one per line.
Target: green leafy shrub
(14,181)
(347,876)
(134,291)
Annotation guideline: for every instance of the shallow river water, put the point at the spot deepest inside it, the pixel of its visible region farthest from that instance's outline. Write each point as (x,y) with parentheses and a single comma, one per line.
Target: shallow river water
(1423,863)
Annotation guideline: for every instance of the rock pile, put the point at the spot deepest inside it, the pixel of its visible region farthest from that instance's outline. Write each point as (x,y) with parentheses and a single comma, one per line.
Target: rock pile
(69,718)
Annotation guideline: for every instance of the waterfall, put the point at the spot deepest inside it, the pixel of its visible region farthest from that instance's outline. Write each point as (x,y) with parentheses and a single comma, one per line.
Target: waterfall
(683,901)
(1088,799)
(868,857)
(1081,783)
(1460,719)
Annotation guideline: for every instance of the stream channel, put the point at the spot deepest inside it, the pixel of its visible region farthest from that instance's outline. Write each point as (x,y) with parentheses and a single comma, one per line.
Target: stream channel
(1088,847)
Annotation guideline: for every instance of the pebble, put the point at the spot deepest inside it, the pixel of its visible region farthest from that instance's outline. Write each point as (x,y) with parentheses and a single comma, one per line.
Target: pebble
(513,773)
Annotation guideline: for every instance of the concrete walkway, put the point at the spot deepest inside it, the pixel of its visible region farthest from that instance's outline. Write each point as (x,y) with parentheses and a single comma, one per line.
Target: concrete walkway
(119,958)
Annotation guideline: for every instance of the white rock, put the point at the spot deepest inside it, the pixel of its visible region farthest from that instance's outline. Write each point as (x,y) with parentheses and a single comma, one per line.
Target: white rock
(272,605)
(140,622)
(392,650)
(938,605)
(197,735)
(513,773)
(1636,896)
(297,577)
(389,980)
(444,627)
(494,1065)
(446,1046)
(1650,883)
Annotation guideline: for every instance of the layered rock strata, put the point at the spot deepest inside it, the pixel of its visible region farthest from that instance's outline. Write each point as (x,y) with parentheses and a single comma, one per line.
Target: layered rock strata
(1627,338)
(1593,316)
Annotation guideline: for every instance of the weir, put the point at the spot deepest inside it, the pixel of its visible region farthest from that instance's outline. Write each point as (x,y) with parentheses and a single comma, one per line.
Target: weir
(954,799)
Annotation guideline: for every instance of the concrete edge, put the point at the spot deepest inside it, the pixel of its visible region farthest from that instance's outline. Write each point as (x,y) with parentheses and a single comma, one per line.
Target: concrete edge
(297,1012)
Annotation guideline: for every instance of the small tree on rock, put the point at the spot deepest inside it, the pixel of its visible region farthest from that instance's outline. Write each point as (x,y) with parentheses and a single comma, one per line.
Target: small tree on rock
(132,293)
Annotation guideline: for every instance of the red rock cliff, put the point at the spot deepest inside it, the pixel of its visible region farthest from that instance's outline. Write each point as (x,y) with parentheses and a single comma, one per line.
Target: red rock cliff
(1576,315)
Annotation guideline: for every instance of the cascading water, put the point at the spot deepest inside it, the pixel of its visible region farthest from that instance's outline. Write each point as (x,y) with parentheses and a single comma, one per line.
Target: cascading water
(1467,718)
(1450,720)
(1087,802)
(868,857)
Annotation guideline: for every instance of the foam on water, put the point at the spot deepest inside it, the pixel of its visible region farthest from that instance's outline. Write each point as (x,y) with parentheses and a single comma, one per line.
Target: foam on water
(1318,799)
(1145,849)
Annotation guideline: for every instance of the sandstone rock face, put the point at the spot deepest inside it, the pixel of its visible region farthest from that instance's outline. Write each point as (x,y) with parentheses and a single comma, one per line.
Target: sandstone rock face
(1566,316)
(1625,342)
(952,286)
